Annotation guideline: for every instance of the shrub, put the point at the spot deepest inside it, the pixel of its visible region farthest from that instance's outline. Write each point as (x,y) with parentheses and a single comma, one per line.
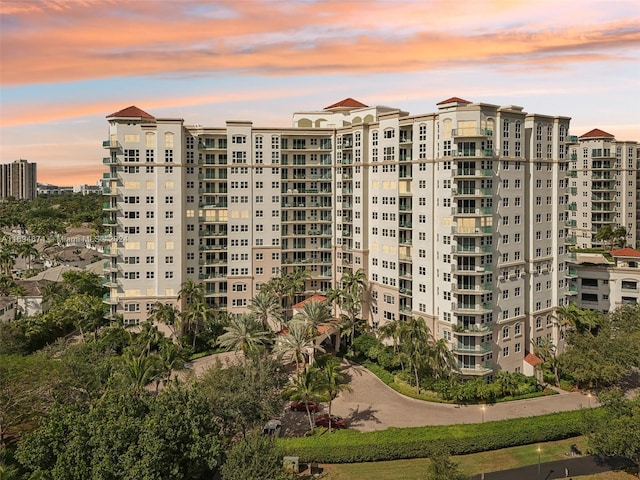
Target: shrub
(364,343)
(350,446)
(379,372)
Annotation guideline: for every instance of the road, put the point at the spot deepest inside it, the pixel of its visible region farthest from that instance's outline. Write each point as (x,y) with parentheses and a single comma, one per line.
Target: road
(372,405)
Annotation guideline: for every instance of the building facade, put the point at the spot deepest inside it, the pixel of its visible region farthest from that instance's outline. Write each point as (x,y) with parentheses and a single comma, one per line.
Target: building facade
(459,216)
(603,188)
(18,180)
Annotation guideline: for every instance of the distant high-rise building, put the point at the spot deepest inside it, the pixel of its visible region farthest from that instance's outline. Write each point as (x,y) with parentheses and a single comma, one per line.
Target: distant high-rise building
(461,216)
(18,180)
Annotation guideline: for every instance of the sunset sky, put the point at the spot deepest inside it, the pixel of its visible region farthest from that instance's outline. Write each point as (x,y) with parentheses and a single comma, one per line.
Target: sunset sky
(67,64)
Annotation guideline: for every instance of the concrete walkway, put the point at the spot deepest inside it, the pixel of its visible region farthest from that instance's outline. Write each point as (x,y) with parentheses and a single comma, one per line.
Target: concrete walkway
(374,406)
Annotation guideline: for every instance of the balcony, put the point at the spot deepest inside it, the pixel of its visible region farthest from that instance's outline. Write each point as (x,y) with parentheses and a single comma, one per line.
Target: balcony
(486,307)
(406,292)
(570,223)
(473,192)
(481,369)
(111,144)
(470,230)
(472,349)
(109,160)
(465,211)
(572,207)
(471,132)
(571,273)
(471,289)
(571,240)
(109,221)
(472,172)
(473,329)
(458,249)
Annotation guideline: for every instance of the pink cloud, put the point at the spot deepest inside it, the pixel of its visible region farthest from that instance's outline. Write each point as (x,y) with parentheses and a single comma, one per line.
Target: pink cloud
(151,38)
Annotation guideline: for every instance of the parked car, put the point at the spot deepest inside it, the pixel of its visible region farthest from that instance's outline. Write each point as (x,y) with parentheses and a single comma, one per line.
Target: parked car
(301,405)
(273,427)
(336,421)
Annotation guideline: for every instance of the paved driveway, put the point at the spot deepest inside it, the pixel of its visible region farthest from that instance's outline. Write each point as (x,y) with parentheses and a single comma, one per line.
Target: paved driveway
(374,406)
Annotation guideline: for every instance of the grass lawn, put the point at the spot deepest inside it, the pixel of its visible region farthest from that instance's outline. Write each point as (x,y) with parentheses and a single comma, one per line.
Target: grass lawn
(471,464)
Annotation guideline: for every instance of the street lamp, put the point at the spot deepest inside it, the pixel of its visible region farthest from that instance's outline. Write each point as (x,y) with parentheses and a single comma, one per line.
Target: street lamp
(539,451)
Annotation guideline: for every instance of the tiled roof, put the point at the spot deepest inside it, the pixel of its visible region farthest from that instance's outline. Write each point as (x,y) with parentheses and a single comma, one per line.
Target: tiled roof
(533,360)
(314,298)
(347,102)
(132,112)
(625,252)
(596,133)
(453,100)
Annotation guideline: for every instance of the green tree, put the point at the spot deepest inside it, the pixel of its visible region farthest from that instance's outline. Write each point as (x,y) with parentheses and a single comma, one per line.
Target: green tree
(617,432)
(254,457)
(139,370)
(441,360)
(191,292)
(244,334)
(299,341)
(244,396)
(414,346)
(194,317)
(333,380)
(266,305)
(27,250)
(547,352)
(306,386)
(167,314)
(314,313)
(26,391)
(441,467)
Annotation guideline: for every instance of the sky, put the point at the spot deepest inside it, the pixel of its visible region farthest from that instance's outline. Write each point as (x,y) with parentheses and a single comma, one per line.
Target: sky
(67,64)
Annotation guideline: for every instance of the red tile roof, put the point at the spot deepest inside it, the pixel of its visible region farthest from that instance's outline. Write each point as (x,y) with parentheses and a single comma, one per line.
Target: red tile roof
(533,360)
(133,112)
(625,252)
(596,133)
(453,100)
(347,102)
(314,298)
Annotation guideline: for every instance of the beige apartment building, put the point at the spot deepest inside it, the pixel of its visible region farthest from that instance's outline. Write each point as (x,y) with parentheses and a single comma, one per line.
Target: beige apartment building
(459,216)
(18,180)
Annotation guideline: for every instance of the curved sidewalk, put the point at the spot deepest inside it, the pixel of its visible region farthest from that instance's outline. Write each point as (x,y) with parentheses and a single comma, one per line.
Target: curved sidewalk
(372,405)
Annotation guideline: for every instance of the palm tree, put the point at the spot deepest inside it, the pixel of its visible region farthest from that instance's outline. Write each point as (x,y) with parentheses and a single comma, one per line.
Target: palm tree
(195,316)
(7,259)
(441,360)
(139,370)
(306,386)
(168,314)
(333,381)
(27,250)
(391,330)
(295,283)
(298,340)
(191,292)
(349,299)
(619,237)
(315,313)
(244,333)
(266,305)
(546,350)
(414,345)
(508,383)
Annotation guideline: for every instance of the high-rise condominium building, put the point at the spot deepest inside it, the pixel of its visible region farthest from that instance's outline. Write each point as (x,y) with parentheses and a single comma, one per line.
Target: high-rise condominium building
(18,180)
(460,216)
(603,188)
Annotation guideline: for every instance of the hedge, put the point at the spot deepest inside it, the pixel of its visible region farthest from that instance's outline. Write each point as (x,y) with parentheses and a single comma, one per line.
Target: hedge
(350,446)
